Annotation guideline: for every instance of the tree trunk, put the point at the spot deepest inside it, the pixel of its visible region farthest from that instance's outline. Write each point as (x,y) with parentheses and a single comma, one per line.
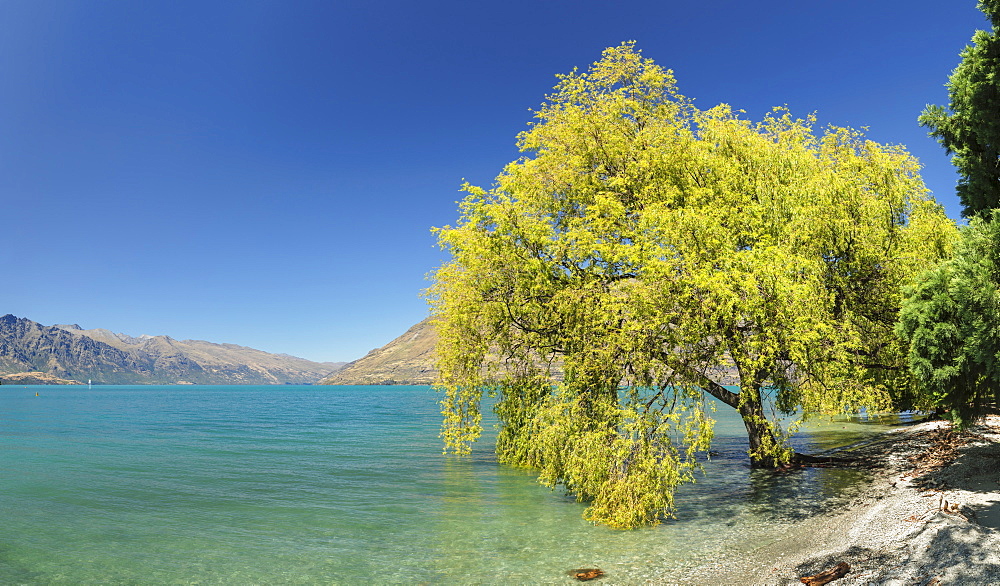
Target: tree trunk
(748,402)
(763,445)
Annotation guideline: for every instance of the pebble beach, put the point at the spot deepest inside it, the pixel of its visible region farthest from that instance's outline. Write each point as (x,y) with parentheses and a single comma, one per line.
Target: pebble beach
(931,516)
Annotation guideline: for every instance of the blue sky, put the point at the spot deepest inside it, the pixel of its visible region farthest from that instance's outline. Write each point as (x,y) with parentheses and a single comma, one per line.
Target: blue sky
(266,173)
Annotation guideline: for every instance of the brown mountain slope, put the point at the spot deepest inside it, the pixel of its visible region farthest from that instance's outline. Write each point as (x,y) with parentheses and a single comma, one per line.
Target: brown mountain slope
(407,360)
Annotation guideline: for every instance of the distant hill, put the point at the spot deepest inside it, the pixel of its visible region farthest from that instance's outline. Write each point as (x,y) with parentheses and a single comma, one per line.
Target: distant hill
(71,352)
(407,360)
(35,378)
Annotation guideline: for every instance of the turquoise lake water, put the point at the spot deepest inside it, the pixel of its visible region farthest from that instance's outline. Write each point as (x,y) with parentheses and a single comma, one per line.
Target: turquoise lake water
(336,485)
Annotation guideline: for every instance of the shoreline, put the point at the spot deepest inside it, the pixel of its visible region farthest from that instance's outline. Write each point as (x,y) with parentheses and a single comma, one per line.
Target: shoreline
(930,515)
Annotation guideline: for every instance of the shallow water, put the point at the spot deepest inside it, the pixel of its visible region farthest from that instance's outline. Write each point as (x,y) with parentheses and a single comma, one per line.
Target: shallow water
(336,485)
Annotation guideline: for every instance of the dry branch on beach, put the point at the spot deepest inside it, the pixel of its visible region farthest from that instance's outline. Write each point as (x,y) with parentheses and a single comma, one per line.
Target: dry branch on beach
(944,449)
(827,576)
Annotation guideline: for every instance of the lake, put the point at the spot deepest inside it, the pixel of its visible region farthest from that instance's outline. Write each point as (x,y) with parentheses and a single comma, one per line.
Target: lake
(337,485)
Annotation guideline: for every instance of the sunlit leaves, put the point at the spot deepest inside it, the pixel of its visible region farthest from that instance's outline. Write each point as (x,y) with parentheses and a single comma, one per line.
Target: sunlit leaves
(643,247)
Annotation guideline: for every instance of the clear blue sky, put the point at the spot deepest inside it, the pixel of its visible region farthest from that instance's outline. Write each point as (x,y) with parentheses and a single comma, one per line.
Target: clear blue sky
(266,173)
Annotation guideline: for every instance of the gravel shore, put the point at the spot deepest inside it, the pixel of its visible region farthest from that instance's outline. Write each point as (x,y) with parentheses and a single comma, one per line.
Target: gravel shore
(930,517)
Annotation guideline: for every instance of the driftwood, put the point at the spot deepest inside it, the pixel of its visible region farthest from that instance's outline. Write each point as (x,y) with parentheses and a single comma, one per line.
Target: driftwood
(585,574)
(827,576)
(800,461)
(806,459)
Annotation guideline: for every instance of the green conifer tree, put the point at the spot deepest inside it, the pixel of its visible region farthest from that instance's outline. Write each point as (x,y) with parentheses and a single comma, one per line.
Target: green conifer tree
(969,129)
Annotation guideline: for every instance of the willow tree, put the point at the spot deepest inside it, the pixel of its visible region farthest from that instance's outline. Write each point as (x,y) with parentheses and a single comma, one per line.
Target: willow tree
(644,253)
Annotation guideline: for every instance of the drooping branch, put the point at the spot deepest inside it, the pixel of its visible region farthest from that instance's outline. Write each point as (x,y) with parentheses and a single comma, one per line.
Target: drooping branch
(598,253)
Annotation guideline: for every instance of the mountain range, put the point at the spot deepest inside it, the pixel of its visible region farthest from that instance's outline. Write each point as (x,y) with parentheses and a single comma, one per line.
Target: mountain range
(71,352)
(31,353)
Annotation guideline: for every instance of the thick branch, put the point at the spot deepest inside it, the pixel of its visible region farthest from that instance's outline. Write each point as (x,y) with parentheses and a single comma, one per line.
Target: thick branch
(701,379)
(713,388)
(719,392)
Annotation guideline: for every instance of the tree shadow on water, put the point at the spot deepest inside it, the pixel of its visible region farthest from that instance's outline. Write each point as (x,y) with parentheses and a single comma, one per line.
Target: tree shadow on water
(801,494)
(766,496)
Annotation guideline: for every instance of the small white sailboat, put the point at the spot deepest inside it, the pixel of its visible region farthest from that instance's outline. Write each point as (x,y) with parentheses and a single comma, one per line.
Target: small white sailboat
(90,384)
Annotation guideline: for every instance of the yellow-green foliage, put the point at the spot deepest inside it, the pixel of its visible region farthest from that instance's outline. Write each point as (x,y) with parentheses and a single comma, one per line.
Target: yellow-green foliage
(644,244)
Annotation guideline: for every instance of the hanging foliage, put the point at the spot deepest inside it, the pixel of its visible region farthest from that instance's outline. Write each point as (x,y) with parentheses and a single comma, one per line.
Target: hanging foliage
(645,253)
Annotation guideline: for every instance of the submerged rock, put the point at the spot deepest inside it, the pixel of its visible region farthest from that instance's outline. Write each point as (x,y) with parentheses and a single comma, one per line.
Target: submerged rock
(585,574)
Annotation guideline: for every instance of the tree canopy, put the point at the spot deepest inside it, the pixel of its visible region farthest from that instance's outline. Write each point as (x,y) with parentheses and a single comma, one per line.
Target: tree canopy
(950,318)
(969,128)
(644,254)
